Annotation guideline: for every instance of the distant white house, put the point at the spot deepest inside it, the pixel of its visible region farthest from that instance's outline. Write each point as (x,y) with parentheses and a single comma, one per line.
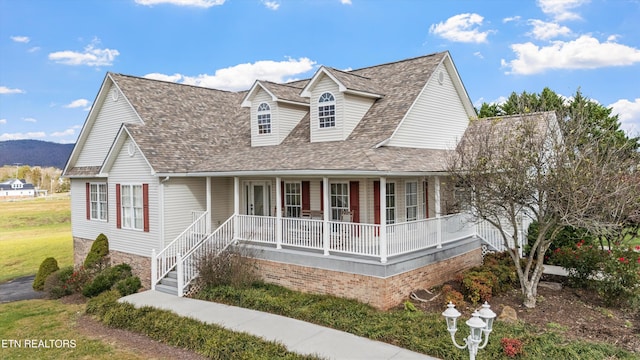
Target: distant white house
(16,188)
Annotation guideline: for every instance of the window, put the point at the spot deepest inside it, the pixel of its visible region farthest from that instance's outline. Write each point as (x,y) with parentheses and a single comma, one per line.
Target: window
(98,201)
(411,196)
(264,119)
(391,203)
(132,209)
(292,199)
(327,111)
(339,200)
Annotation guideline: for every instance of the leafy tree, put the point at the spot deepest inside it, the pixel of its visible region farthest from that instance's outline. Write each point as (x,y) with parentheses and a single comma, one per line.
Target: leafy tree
(571,166)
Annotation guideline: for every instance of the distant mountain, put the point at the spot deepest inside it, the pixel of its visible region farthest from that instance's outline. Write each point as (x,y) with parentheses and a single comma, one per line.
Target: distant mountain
(34,153)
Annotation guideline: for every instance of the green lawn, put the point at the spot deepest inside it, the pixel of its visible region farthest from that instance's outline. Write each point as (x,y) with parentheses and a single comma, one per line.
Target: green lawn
(32,230)
(25,323)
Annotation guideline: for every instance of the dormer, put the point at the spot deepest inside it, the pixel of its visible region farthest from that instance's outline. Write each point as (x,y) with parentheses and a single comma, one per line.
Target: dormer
(338,100)
(275,110)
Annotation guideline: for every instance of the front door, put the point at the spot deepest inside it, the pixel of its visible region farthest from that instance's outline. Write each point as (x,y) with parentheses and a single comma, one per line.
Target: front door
(258,198)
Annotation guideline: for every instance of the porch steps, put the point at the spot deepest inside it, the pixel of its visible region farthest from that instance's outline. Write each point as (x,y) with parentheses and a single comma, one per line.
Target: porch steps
(169,284)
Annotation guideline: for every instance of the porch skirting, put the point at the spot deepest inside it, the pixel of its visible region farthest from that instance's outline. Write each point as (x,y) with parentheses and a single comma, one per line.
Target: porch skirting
(140,265)
(382,286)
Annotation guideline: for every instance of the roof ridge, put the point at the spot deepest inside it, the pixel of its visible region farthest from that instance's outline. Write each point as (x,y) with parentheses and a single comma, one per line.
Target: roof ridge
(400,61)
(281,84)
(518,115)
(348,72)
(173,83)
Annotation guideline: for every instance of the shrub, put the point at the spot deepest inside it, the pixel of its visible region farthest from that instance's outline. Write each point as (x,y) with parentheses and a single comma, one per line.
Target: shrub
(106,279)
(478,285)
(47,267)
(97,256)
(56,283)
(511,347)
(619,283)
(233,266)
(582,262)
(100,304)
(452,295)
(78,278)
(566,237)
(128,286)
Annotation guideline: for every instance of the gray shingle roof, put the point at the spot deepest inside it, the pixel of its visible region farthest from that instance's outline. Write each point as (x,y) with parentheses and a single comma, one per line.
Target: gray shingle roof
(194,129)
(356,82)
(285,91)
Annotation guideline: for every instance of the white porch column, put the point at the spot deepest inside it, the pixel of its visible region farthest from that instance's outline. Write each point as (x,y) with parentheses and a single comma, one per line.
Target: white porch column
(154,269)
(236,206)
(436,191)
(278,214)
(383,220)
(209,205)
(327,212)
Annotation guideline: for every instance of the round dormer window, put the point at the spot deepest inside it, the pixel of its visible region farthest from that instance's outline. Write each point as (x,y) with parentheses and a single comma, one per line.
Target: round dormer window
(115,94)
(440,78)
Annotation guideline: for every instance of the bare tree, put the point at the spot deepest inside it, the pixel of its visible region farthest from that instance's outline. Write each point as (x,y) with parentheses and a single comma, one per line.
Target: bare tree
(555,171)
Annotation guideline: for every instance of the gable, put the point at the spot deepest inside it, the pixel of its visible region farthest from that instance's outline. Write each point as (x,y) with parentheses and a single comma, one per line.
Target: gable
(438,117)
(109,111)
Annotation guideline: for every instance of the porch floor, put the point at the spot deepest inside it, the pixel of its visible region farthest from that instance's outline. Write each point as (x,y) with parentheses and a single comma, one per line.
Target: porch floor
(298,336)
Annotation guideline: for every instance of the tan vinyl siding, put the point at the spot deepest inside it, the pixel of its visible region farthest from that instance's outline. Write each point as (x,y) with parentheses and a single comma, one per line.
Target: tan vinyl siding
(134,170)
(112,114)
(437,119)
(355,107)
(221,200)
(288,117)
(80,226)
(181,197)
(263,139)
(327,134)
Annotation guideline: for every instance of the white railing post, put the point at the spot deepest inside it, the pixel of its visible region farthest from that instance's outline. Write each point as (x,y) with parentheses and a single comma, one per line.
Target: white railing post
(383,220)
(236,206)
(154,269)
(278,214)
(180,270)
(439,232)
(327,211)
(438,210)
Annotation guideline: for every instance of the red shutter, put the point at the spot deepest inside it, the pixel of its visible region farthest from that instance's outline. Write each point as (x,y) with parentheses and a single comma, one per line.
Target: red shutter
(321,196)
(426,200)
(145,206)
(118,208)
(354,200)
(376,202)
(306,196)
(88,201)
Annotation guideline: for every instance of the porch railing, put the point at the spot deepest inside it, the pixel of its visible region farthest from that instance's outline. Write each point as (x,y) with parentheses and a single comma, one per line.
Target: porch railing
(214,244)
(306,233)
(493,236)
(257,228)
(164,261)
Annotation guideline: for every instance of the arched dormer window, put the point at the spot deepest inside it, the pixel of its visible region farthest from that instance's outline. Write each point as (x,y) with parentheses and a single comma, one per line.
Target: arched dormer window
(326,111)
(264,119)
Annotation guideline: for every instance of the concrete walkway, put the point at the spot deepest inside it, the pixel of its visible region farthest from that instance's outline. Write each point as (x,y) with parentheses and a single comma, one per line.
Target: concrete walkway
(298,336)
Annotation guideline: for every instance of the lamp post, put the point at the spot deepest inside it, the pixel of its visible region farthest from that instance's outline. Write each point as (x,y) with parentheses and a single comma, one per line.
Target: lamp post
(480,322)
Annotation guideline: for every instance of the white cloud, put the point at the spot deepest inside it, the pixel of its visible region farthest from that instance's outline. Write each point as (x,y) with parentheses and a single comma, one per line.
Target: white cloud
(80,103)
(3,121)
(510,19)
(68,132)
(345,2)
(91,56)
(629,115)
(21,39)
(194,3)
(478,54)
(584,52)
(561,10)
(273,5)
(543,30)
(6,90)
(34,49)
(29,119)
(22,136)
(461,28)
(242,76)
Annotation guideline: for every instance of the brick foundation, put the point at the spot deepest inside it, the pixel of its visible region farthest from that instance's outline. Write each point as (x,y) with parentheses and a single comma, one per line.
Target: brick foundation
(140,265)
(381,293)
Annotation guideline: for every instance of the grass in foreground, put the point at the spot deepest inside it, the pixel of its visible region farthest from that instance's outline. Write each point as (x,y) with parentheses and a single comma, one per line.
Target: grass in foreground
(32,230)
(417,331)
(35,320)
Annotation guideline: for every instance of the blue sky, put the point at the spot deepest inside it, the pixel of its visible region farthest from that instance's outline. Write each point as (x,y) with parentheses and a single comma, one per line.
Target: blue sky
(55,54)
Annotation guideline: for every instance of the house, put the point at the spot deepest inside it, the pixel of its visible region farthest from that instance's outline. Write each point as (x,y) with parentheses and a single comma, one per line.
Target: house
(337,183)
(16,188)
